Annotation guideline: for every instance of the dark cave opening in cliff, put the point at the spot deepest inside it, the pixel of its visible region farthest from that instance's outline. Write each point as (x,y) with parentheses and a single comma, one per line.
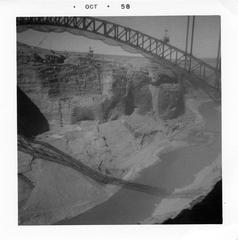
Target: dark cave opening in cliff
(30,120)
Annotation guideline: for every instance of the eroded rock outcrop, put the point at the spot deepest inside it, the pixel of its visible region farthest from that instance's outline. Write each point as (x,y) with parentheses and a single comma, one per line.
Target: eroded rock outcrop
(167,96)
(170,101)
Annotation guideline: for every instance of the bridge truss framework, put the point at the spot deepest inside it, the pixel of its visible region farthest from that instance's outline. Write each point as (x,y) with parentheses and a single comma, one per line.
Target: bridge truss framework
(157,49)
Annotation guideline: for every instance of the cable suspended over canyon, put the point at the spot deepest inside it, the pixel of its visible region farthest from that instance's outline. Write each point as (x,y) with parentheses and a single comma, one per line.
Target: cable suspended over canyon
(42,150)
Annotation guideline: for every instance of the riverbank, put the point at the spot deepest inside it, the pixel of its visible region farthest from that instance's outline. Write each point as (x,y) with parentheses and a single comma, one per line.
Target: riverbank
(188,196)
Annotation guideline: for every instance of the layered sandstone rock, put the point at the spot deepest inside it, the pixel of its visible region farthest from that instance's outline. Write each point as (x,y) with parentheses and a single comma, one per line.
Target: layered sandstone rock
(170,101)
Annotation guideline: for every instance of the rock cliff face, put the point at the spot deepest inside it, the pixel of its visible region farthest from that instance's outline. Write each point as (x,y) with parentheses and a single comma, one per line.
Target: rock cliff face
(170,101)
(95,110)
(60,89)
(55,86)
(167,95)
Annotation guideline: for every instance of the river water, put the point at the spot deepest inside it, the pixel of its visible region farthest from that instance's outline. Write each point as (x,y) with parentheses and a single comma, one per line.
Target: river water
(177,169)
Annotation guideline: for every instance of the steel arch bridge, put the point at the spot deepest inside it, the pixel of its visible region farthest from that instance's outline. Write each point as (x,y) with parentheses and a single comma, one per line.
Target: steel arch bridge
(149,46)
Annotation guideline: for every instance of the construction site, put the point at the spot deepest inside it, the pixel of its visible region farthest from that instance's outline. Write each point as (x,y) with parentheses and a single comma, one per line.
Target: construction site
(117,139)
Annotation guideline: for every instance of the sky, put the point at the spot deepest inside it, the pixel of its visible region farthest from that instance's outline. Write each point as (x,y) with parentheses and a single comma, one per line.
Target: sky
(206,35)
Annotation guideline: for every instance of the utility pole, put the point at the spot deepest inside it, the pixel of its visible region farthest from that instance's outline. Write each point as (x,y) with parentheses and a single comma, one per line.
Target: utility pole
(218,63)
(186,44)
(191,46)
(218,53)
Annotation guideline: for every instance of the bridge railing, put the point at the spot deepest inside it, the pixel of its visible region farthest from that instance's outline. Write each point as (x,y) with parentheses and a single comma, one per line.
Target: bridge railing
(135,39)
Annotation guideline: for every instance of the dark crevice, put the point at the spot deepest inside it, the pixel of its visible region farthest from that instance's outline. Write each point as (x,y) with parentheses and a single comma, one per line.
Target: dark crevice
(208,211)
(30,120)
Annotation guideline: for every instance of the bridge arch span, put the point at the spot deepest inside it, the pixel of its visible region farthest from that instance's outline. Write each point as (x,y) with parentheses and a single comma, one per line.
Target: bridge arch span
(130,40)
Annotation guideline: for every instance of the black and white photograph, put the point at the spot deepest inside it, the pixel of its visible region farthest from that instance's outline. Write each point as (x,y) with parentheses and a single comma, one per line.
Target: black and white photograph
(119,120)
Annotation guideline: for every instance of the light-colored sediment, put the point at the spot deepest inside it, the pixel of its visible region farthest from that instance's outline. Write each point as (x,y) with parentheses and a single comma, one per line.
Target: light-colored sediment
(60,192)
